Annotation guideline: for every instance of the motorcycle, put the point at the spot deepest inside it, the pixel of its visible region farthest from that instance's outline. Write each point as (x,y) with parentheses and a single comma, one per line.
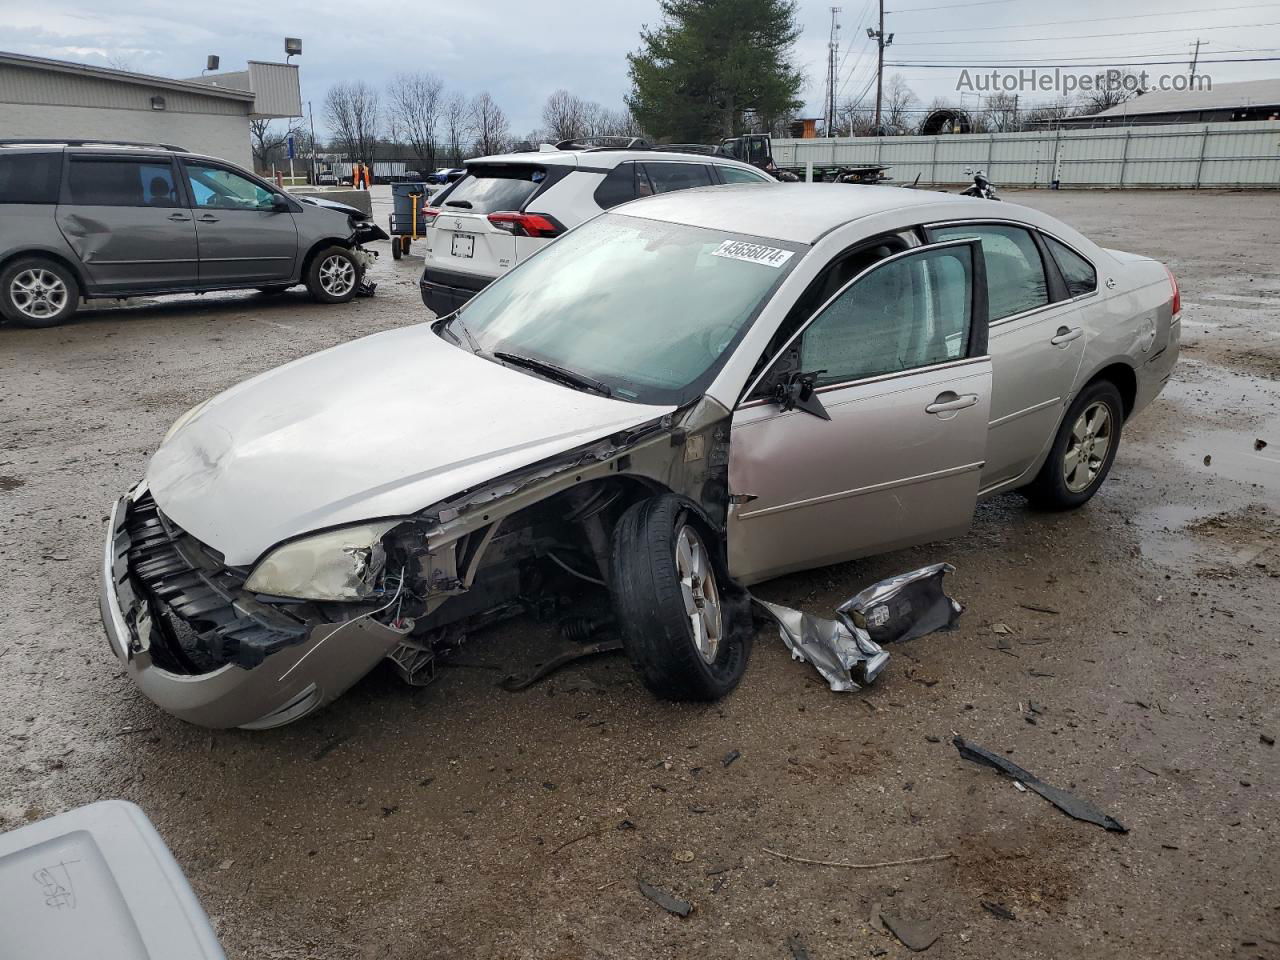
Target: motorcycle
(981,188)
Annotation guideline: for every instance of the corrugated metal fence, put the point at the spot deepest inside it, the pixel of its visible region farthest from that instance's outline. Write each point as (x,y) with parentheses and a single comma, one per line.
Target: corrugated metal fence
(1245,154)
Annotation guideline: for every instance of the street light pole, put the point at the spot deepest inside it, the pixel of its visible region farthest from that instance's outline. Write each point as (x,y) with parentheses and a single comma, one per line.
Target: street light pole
(882,41)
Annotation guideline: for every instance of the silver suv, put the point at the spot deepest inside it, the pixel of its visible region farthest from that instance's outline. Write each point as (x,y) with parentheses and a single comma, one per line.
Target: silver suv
(82,219)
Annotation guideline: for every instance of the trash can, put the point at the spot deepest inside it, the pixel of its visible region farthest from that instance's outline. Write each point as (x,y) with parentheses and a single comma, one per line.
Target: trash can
(406,222)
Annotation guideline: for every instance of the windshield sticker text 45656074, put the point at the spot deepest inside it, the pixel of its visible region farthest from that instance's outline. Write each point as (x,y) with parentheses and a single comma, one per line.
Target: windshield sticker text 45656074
(753,253)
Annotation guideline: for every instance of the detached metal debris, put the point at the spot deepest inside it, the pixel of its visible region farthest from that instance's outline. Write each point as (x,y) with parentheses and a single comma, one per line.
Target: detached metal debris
(847,651)
(1068,803)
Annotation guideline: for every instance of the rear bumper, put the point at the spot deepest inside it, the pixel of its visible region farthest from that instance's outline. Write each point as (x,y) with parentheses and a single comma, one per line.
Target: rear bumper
(287,685)
(444,291)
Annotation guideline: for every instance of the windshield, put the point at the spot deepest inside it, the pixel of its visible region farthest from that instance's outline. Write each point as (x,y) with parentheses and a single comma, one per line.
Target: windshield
(649,309)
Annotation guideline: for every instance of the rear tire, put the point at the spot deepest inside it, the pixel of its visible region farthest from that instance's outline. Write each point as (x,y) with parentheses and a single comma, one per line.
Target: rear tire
(1082,452)
(397,248)
(676,610)
(333,275)
(38,292)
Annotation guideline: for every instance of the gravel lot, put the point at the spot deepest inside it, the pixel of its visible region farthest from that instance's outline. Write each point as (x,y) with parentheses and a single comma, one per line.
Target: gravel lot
(459,820)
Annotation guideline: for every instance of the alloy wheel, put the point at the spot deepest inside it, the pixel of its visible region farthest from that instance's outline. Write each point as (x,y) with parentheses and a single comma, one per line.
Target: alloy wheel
(38,293)
(1087,447)
(701,596)
(337,276)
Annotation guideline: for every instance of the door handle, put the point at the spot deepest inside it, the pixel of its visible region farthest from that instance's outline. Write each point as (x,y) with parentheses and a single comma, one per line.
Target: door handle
(179,217)
(208,219)
(948,402)
(1065,335)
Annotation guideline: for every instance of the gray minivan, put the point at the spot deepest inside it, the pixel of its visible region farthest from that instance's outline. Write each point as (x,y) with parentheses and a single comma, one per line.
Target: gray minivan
(82,219)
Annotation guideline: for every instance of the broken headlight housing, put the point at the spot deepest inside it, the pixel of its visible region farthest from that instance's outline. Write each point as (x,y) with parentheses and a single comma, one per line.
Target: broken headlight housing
(342,564)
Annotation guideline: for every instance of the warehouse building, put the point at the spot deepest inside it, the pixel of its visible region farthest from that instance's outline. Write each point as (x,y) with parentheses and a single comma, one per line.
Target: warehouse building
(46,99)
(1248,100)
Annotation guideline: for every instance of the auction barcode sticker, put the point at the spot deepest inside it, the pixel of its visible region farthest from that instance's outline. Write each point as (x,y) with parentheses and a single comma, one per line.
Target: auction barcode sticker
(753,253)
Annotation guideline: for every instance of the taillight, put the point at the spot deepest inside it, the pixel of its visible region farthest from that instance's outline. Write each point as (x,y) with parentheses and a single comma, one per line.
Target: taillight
(429,215)
(1175,304)
(526,224)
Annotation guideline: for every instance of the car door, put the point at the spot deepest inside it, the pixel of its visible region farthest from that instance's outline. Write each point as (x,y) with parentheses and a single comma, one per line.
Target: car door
(1037,342)
(887,449)
(128,223)
(244,235)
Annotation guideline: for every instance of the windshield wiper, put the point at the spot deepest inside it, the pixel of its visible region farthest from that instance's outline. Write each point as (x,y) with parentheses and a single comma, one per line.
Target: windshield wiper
(446,322)
(554,371)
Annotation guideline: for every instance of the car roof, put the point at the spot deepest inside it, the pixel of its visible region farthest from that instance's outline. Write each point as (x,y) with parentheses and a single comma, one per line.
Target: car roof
(598,159)
(795,212)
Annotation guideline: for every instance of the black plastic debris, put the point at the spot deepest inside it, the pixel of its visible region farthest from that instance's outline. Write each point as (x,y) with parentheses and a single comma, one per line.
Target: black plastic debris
(1068,803)
(731,756)
(797,948)
(916,935)
(997,910)
(667,901)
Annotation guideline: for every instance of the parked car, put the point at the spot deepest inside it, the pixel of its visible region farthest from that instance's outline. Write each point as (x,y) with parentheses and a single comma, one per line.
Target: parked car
(326,178)
(81,219)
(508,207)
(446,175)
(679,398)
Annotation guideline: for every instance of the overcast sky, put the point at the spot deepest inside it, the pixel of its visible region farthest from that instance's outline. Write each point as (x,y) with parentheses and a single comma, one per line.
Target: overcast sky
(521,51)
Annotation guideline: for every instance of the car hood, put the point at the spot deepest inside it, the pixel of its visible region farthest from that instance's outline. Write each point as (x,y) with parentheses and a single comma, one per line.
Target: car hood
(326,204)
(380,427)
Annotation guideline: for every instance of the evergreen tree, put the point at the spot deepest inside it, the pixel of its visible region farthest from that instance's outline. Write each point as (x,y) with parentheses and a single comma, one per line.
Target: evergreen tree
(715,68)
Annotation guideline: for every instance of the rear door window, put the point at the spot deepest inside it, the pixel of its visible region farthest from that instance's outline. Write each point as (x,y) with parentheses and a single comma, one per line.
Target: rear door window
(618,187)
(111,182)
(669,177)
(739,175)
(1015,273)
(30,177)
(489,188)
(1078,272)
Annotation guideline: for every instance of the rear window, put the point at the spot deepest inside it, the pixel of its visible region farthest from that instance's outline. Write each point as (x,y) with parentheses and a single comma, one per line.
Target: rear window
(1078,272)
(30,177)
(669,177)
(490,188)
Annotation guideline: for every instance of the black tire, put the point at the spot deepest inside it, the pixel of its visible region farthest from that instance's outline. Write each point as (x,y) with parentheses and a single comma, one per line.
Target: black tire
(52,279)
(397,248)
(649,603)
(320,282)
(1050,490)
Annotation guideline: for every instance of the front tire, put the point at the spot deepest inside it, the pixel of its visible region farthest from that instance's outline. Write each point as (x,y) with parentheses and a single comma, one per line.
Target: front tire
(1082,452)
(674,604)
(38,292)
(333,276)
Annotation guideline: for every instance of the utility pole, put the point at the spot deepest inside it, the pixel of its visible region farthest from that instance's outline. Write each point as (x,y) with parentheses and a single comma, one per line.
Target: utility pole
(1195,58)
(833,48)
(881,42)
(311,117)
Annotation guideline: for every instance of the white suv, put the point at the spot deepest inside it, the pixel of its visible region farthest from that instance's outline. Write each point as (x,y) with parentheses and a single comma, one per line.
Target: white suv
(509,206)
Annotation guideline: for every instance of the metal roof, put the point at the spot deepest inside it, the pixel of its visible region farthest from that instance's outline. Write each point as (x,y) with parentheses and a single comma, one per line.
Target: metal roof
(122,76)
(796,212)
(1222,96)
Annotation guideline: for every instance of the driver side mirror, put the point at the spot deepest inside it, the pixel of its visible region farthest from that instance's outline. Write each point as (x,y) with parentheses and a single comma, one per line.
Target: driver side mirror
(795,391)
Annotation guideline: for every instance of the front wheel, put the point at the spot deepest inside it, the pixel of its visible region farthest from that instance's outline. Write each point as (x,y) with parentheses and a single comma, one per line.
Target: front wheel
(1083,450)
(679,623)
(334,275)
(38,292)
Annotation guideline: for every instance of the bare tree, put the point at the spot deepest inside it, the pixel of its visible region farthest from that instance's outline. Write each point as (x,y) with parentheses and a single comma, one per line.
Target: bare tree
(351,110)
(489,124)
(565,116)
(896,113)
(1120,86)
(415,106)
(456,119)
(266,143)
(1001,111)
(119,61)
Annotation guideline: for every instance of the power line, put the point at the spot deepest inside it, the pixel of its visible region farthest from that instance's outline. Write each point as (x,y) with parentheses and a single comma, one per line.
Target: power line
(1056,23)
(1132,63)
(1089,36)
(1119,58)
(951,6)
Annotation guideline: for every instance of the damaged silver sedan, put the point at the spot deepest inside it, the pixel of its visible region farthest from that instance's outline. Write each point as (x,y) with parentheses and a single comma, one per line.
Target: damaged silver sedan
(678,399)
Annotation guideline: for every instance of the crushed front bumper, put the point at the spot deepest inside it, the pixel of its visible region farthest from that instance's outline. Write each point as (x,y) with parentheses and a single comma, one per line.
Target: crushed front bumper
(145,596)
